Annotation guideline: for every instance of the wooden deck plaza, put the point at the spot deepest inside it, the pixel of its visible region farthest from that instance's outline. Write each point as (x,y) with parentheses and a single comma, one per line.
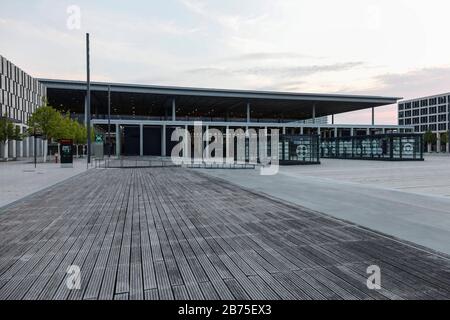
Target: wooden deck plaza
(174,233)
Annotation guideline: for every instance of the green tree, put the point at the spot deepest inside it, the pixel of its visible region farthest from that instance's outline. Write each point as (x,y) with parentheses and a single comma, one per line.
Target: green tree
(47,121)
(429,138)
(444,137)
(8,132)
(80,135)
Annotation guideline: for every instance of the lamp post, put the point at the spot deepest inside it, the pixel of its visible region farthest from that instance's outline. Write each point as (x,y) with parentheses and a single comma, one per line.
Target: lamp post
(88,102)
(36,134)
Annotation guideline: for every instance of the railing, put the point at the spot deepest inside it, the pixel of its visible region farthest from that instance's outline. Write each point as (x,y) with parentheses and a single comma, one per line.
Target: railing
(80,117)
(162,162)
(205,165)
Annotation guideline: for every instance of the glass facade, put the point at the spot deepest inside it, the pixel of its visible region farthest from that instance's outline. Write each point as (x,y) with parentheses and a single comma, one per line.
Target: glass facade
(394,147)
(299,149)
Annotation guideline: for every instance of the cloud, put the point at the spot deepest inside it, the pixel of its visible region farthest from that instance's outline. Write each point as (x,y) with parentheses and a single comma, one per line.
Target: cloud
(263,56)
(278,71)
(232,22)
(411,84)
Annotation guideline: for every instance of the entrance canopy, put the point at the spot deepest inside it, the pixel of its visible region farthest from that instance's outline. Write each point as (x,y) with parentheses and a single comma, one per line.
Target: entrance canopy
(158,102)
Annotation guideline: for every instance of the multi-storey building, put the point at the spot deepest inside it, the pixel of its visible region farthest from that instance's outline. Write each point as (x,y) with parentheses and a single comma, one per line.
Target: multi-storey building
(427,114)
(20,95)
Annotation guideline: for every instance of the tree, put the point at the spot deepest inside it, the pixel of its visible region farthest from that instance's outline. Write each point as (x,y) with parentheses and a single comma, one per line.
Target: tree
(47,121)
(429,138)
(8,131)
(444,137)
(80,136)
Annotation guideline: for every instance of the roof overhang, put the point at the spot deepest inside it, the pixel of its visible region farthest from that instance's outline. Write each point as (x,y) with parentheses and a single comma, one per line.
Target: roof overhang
(294,105)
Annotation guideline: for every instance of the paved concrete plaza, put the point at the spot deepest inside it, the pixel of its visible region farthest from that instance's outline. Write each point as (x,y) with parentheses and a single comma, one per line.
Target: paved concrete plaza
(19,178)
(174,233)
(409,200)
(431,177)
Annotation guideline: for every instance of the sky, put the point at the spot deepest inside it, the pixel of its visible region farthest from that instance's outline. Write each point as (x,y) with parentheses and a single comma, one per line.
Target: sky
(377,47)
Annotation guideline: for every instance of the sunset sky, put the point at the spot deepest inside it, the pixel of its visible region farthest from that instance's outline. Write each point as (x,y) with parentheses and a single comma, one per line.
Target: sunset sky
(394,48)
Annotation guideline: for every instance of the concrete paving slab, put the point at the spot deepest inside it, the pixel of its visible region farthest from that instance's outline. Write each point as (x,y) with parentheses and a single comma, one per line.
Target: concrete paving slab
(396,198)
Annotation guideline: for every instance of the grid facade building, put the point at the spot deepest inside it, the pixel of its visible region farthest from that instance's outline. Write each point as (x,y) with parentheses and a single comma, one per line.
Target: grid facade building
(20,94)
(427,114)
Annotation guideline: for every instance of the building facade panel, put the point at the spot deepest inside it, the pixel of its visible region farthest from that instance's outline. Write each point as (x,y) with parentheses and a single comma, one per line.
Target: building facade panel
(427,114)
(20,94)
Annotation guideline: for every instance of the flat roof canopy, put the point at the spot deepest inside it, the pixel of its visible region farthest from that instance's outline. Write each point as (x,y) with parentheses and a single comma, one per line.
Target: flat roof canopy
(147,100)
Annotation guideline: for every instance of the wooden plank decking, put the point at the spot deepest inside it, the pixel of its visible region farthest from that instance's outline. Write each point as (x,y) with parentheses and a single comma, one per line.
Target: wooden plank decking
(173,233)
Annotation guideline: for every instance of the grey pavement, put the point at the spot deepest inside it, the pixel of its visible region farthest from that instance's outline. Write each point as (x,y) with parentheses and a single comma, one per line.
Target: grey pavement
(19,179)
(396,198)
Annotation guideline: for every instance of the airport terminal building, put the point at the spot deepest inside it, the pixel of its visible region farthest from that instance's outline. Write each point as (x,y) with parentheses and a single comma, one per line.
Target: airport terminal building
(137,120)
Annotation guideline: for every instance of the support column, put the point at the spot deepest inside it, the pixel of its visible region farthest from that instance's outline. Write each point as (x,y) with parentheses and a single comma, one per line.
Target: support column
(438,142)
(332,119)
(368,132)
(118,140)
(373,116)
(248,112)
(301,130)
(21,143)
(6,151)
(163,141)
(206,143)
(335,132)
(227,145)
(314,113)
(14,148)
(352,132)
(187,150)
(174,111)
(26,147)
(141,140)
(31,150)
(319,131)
(284,130)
